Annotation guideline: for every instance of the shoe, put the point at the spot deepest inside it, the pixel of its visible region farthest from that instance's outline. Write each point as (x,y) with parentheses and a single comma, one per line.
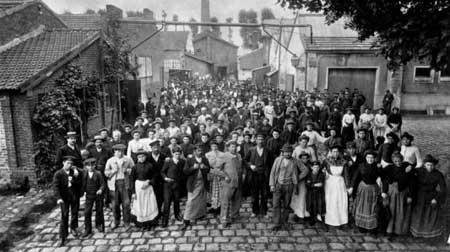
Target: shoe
(62,243)
(186,225)
(114,226)
(86,234)
(276,228)
(74,232)
(101,228)
(165,224)
(179,217)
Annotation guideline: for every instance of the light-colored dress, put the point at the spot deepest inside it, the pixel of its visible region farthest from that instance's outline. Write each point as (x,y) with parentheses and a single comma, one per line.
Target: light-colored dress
(215,161)
(336,199)
(269,113)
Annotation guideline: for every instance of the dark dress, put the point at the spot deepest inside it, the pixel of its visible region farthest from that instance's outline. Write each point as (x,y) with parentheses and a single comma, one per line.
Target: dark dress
(315,196)
(426,219)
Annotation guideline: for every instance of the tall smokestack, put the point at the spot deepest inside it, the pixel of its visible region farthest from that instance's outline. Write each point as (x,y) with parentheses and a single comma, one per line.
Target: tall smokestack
(205,14)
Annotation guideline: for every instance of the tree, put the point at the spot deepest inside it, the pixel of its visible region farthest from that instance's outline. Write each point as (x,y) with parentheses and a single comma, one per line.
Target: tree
(67,12)
(194,28)
(89,11)
(405,30)
(101,12)
(215,30)
(266,13)
(250,36)
(230,30)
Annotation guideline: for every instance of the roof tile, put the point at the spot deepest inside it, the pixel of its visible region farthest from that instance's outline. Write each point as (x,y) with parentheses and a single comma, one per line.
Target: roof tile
(22,62)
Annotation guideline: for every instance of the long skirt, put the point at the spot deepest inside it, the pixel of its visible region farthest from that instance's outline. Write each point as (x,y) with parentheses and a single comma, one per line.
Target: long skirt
(366,206)
(315,202)
(400,210)
(298,202)
(348,134)
(336,201)
(196,201)
(379,132)
(426,219)
(145,207)
(216,187)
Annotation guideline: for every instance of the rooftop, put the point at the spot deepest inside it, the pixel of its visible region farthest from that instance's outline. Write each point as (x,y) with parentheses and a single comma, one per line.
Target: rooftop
(35,55)
(82,21)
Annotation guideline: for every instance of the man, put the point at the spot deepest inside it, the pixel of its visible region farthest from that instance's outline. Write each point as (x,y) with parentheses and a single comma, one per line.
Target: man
(289,135)
(156,158)
(173,130)
(67,189)
(186,147)
(70,149)
(104,132)
(118,169)
(274,144)
(231,175)
(93,184)
(387,101)
(282,182)
(220,130)
(258,159)
(101,156)
(172,174)
(127,133)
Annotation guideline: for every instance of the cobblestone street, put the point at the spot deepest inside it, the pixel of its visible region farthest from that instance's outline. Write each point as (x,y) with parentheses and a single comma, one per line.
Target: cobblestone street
(248,234)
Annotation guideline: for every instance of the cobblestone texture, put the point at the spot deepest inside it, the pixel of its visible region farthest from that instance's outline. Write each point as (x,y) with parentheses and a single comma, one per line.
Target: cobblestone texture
(249,234)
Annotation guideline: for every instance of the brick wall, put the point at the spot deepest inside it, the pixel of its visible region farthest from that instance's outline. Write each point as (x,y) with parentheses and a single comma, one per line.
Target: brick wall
(26,20)
(7,147)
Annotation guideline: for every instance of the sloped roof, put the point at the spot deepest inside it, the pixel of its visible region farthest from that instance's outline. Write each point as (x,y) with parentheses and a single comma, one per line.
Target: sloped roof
(173,40)
(36,55)
(8,4)
(338,43)
(252,60)
(209,34)
(333,36)
(82,21)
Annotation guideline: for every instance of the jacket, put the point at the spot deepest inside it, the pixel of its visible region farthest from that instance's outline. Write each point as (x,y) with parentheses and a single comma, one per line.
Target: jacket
(111,168)
(61,187)
(98,180)
(253,155)
(189,171)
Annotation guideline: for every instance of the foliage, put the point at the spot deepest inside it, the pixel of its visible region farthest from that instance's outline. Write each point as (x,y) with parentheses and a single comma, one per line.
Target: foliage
(73,98)
(194,28)
(406,30)
(250,36)
(215,30)
(89,11)
(266,13)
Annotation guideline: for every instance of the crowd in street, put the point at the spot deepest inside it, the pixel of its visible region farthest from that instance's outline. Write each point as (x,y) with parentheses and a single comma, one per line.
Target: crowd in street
(328,158)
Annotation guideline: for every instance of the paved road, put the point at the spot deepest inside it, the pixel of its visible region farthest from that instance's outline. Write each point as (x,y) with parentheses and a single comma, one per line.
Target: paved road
(249,234)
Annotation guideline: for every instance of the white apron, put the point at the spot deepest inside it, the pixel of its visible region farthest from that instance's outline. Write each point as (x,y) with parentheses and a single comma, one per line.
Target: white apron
(144,207)
(336,199)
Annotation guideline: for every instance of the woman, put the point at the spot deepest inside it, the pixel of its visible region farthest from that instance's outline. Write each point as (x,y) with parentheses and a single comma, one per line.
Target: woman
(333,139)
(429,198)
(135,145)
(303,147)
(336,199)
(380,124)
(348,126)
(216,161)
(298,201)
(367,194)
(397,185)
(145,207)
(197,169)
(366,119)
(249,127)
(410,152)
(269,112)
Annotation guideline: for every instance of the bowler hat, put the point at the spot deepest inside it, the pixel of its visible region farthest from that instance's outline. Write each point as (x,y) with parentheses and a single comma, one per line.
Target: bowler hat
(430,159)
(89,161)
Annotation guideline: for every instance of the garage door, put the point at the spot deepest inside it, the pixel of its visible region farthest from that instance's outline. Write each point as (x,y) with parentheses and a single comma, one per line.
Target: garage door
(361,78)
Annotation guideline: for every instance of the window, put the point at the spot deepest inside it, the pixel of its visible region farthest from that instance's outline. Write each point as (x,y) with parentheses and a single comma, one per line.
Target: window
(423,74)
(144,67)
(171,64)
(444,75)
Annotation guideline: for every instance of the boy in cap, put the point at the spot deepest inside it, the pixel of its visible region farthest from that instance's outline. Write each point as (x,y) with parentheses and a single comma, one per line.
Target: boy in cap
(172,173)
(67,189)
(118,169)
(93,185)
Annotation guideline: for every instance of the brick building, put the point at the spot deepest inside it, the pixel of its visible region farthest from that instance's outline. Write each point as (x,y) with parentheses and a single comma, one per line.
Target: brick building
(32,55)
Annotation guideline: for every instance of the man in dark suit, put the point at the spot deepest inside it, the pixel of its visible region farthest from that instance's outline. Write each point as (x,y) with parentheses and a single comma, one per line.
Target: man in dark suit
(101,155)
(156,158)
(67,189)
(70,149)
(93,184)
(258,159)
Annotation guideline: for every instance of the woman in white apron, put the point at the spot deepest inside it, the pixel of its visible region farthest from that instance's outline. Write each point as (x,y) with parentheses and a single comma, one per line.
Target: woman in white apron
(144,205)
(336,199)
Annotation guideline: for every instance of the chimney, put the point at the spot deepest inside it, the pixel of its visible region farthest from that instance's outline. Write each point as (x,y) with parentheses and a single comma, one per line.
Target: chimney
(205,15)
(113,12)
(148,14)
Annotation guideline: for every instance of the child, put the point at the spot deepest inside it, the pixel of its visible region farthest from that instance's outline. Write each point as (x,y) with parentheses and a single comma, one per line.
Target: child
(315,195)
(93,185)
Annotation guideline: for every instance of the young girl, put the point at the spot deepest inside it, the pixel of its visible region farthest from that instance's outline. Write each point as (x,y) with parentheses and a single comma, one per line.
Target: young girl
(380,123)
(315,196)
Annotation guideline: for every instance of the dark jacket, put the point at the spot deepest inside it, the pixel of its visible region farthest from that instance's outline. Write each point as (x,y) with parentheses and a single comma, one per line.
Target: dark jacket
(142,171)
(61,187)
(67,151)
(172,170)
(252,157)
(99,184)
(157,166)
(192,173)
(100,157)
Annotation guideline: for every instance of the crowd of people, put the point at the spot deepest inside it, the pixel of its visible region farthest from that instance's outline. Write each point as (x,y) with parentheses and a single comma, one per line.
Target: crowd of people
(326,157)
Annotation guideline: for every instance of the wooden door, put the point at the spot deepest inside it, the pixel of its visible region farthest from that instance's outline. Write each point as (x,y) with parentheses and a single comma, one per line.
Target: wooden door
(361,78)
